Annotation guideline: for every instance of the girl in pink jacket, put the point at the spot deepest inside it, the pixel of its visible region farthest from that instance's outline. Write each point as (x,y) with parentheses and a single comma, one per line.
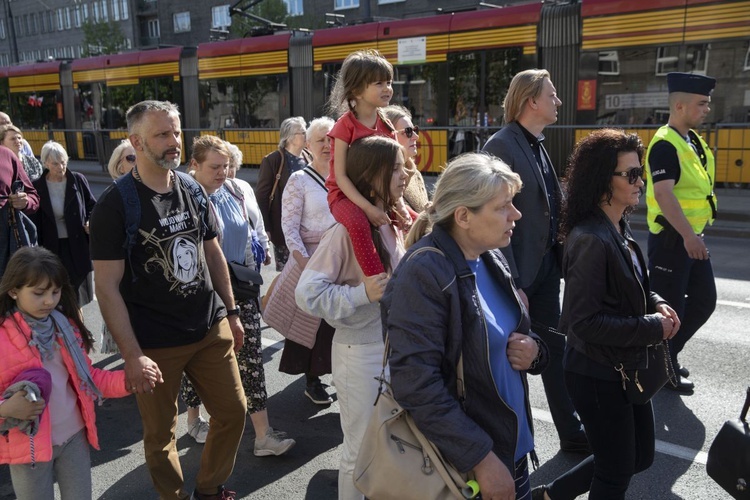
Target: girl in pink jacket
(41,327)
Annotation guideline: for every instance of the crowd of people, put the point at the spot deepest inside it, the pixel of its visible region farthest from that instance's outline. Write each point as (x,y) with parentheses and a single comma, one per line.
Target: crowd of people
(465,282)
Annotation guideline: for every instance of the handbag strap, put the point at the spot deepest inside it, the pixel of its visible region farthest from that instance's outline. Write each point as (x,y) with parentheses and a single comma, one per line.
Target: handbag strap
(743,415)
(278,176)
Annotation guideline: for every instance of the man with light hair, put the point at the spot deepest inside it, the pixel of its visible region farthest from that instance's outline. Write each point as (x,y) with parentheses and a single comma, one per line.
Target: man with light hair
(165,317)
(25,146)
(534,253)
(681,202)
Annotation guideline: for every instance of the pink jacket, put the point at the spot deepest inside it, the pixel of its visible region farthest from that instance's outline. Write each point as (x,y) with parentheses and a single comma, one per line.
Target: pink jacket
(17,356)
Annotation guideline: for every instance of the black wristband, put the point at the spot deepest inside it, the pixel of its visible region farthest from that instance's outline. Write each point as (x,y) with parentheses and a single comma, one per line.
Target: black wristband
(233,312)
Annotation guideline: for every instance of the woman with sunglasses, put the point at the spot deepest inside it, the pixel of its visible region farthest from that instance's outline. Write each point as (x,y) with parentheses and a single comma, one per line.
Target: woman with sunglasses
(609,316)
(122,160)
(407,135)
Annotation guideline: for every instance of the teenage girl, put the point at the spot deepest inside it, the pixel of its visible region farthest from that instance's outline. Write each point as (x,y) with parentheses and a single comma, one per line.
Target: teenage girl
(40,327)
(362,89)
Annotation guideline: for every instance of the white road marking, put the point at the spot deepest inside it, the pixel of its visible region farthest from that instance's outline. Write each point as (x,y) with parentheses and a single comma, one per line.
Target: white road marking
(675,450)
(276,345)
(733,303)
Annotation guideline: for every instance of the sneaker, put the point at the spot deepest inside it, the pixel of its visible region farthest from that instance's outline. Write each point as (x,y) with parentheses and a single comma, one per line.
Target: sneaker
(198,430)
(223,494)
(273,443)
(317,394)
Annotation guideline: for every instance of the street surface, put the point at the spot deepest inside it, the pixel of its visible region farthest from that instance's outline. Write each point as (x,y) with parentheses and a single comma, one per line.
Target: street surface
(718,358)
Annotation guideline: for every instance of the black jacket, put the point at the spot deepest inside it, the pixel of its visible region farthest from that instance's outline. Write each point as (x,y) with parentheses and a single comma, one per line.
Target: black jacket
(79,202)
(607,313)
(432,313)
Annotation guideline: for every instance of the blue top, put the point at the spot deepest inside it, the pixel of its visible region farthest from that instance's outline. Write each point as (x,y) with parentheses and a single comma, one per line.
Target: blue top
(501,319)
(233,225)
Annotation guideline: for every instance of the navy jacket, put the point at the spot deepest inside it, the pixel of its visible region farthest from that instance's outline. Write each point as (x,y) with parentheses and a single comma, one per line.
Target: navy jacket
(432,314)
(79,202)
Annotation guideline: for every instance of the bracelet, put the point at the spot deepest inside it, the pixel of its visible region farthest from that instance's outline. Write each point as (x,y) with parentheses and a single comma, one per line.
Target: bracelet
(233,312)
(538,355)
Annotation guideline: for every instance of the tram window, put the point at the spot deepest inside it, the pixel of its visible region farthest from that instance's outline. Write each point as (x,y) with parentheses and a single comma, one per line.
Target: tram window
(249,102)
(414,87)
(667,59)
(609,63)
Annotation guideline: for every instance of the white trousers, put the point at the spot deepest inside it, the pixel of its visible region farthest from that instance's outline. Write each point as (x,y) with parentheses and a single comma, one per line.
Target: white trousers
(354,370)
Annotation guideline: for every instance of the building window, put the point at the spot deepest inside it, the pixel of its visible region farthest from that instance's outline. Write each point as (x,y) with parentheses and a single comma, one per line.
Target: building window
(153,28)
(696,58)
(220,17)
(77,16)
(381,2)
(85,12)
(66,18)
(609,63)
(34,23)
(294,7)
(345,4)
(666,59)
(181,22)
(2,29)
(123,9)
(105,10)
(96,13)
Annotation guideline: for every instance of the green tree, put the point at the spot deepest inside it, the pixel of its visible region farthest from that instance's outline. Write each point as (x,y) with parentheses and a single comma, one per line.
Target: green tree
(102,38)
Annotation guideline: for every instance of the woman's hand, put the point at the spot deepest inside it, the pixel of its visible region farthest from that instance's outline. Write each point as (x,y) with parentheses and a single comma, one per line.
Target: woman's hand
(19,200)
(268,258)
(521,351)
(21,408)
(670,322)
(495,481)
(375,286)
(301,261)
(376,216)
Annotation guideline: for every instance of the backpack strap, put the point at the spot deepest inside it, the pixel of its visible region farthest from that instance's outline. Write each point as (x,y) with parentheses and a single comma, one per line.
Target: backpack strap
(236,191)
(195,189)
(132,208)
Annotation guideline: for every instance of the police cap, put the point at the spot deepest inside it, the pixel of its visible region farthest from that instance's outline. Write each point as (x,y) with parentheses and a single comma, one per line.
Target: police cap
(690,83)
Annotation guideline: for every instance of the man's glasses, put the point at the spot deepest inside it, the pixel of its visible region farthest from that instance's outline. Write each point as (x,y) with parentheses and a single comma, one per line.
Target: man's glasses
(130,158)
(410,131)
(633,174)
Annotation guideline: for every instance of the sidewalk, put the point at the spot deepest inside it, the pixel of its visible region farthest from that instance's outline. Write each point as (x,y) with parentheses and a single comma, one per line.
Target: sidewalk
(733,220)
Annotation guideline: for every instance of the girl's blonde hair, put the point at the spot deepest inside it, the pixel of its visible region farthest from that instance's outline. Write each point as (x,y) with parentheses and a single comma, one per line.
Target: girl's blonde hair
(470,180)
(33,266)
(359,69)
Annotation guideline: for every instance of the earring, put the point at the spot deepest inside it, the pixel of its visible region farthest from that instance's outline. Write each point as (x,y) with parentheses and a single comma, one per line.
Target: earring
(372,193)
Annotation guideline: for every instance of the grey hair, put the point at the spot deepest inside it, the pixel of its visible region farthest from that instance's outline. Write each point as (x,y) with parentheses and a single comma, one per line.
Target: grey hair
(287,129)
(323,122)
(136,112)
(235,158)
(53,151)
(114,160)
(470,180)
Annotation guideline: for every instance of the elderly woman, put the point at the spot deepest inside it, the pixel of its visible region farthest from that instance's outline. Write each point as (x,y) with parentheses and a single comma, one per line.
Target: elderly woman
(407,135)
(240,221)
(274,173)
(62,221)
(333,287)
(122,160)
(305,216)
(461,301)
(609,315)
(12,138)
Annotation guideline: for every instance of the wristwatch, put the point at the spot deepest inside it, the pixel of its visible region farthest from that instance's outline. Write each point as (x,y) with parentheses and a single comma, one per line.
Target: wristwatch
(233,312)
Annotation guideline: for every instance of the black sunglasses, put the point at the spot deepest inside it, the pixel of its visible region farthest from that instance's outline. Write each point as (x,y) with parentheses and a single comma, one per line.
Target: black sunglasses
(633,174)
(130,158)
(410,131)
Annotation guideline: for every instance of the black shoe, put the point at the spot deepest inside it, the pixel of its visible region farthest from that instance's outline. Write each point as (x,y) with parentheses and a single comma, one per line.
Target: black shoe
(317,394)
(683,385)
(576,444)
(538,493)
(682,371)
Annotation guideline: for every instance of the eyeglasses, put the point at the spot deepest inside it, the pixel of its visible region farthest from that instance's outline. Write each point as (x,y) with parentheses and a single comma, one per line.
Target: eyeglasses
(409,131)
(633,174)
(130,158)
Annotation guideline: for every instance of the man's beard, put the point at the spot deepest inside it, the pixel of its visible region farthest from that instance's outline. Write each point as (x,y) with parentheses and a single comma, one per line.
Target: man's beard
(162,162)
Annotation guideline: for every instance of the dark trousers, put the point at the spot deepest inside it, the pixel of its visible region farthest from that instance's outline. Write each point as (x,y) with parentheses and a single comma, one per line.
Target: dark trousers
(544,309)
(687,284)
(621,436)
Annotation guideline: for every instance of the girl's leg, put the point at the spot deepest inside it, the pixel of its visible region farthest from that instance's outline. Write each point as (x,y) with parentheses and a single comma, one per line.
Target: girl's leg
(358,226)
(197,426)
(72,464)
(32,484)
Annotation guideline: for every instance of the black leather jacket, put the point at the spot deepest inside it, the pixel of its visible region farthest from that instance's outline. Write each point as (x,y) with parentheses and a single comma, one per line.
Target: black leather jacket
(607,313)
(432,313)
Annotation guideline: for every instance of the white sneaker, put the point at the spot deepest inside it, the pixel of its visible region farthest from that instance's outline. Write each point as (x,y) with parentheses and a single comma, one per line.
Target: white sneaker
(273,443)
(198,430)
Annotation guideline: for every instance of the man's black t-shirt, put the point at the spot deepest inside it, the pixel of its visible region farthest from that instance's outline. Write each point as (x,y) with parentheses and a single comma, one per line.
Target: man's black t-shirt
(172,301)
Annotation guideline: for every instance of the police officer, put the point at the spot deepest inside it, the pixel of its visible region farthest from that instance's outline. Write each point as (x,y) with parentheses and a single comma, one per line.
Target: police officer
(681,202)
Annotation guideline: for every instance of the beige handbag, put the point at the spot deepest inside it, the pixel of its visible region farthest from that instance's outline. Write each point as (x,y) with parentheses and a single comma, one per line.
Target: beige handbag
(280,310)
(397,461)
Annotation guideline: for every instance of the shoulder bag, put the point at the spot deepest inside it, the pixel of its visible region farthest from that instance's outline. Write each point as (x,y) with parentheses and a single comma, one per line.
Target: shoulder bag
(395,458)
(729,456)
(642,384)
(278,176)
